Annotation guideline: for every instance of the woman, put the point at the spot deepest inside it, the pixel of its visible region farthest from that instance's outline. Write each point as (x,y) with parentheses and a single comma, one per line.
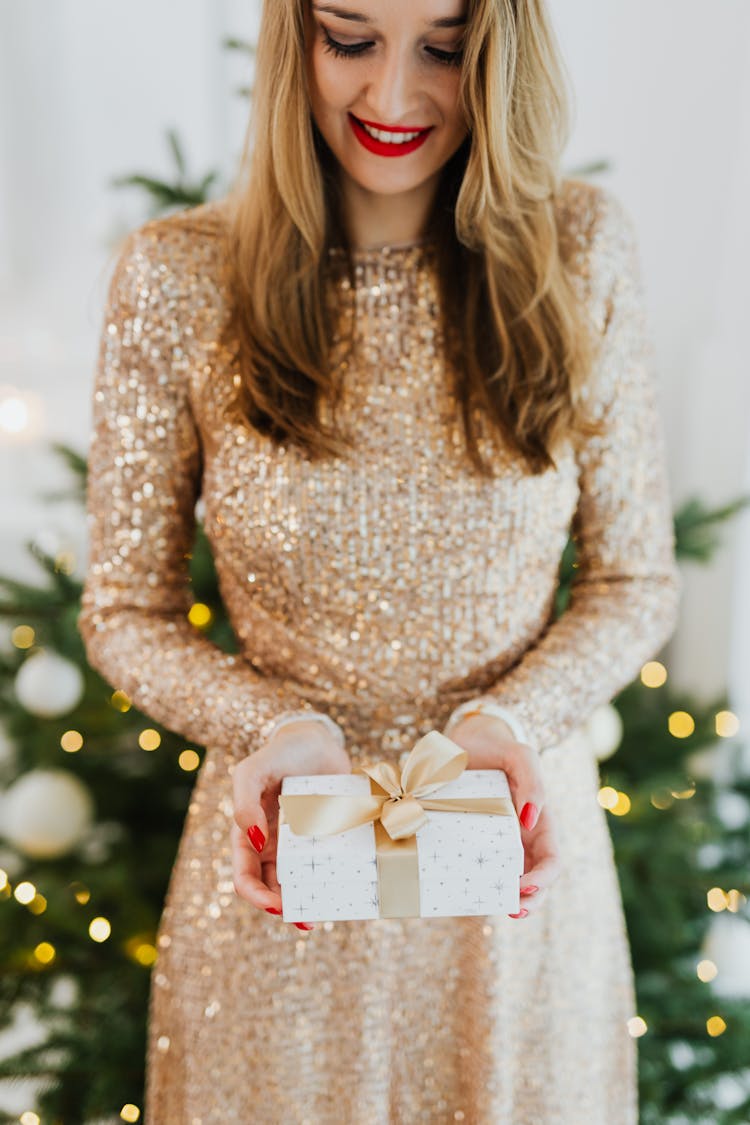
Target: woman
(396,375)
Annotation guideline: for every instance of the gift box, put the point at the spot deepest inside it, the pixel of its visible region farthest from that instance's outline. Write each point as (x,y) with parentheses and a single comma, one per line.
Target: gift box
(431,839)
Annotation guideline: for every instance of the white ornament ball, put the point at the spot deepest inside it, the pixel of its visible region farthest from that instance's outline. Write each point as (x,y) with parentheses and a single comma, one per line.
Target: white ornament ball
(604,729)
(727,944)
(46,812)
(48,685)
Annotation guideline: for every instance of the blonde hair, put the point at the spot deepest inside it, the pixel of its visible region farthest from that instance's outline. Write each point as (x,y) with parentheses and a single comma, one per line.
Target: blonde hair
(517,338)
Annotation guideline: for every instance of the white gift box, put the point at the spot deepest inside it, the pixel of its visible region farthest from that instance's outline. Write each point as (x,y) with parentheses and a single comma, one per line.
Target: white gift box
(469,862)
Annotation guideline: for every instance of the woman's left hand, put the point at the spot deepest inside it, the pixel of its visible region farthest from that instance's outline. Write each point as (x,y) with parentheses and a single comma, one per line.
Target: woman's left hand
(490,744)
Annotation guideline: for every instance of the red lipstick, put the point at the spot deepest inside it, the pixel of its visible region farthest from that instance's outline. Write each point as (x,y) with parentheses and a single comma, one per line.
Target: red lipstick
(386,148)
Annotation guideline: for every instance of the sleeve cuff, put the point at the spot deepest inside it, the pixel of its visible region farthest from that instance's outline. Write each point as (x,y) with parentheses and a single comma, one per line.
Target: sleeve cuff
(487,706)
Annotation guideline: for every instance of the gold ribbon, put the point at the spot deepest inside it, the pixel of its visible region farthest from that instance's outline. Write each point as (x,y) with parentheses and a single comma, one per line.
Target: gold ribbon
(397,805)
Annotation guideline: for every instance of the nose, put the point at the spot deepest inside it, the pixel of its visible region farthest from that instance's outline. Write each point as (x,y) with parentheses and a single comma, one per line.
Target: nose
(389,90)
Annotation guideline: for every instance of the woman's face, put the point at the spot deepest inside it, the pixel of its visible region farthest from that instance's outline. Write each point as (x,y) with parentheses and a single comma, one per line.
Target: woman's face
(400,71)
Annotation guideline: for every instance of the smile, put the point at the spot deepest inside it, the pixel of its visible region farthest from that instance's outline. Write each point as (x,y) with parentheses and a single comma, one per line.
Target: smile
(388,143)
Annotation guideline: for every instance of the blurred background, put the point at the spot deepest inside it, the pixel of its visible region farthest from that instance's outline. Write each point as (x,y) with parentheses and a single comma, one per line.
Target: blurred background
(110,114)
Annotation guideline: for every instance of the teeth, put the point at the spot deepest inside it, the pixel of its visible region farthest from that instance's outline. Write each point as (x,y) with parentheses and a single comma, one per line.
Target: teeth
(390,138)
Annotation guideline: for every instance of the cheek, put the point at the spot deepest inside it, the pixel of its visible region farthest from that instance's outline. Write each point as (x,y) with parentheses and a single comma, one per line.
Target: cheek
(333,86)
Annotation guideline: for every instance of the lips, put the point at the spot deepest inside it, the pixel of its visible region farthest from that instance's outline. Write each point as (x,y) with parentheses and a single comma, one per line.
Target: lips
(393,128)
(387,148)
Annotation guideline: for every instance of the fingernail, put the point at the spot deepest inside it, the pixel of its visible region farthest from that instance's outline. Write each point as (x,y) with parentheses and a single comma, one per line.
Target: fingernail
(521,914)
(257,839)
(304,926)
(272,910)
(529,814)
(529,890)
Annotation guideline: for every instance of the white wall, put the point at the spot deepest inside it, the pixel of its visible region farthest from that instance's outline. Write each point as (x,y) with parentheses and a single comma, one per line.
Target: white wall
(89,87)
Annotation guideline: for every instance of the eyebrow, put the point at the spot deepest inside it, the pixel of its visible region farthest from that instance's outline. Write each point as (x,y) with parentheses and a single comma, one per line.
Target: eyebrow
(357,17)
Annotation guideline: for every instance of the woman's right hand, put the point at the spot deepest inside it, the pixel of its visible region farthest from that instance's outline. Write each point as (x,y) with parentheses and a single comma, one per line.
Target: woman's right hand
(302,747)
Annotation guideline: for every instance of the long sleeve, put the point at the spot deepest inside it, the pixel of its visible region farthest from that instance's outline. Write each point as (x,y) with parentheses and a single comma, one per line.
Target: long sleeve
(626,592)
(145,470)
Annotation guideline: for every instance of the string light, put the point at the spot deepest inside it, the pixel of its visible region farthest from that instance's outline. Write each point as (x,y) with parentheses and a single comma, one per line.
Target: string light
(681,724)
(637,1026)
(706,970)
(99,929)
(24,893)
(653,674)
(82,893)
(45,953)
(71,741)
(200,615)
(28,1118)
(23,636)
(726,724)
(188,760)
(715,1025)
(120,701)
(149,739)
(38,904)
(130,1112)
(717,899)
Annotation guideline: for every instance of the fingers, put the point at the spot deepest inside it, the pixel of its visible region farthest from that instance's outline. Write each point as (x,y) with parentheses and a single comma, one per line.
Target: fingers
(246,870)
(524,772)
(250,778)
(545,869)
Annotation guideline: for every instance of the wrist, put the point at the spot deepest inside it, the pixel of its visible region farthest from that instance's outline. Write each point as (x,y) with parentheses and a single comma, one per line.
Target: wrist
(508,724)
(312,723)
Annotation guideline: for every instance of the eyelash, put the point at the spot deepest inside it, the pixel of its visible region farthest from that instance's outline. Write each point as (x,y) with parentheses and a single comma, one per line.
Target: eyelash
(342,50)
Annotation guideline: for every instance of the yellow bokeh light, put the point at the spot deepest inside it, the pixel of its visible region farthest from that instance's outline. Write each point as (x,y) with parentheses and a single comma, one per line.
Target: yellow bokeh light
(189,760)
(149,739)
(622,805)
(716,899)
(145,954)
(23,636)
(637,1026)
(607,797)
(3,879)
(65,562)
(29,1118)
(727,724)
(99,929)
(130,1112)
(735,900)
(662,799)
(681,724)
(653,674)
(715,1025)
(44,952)
(120,701)
(200,615)
(684,794)
(706,970)
(25,892)
(38,904)
(71,741)
(81,892)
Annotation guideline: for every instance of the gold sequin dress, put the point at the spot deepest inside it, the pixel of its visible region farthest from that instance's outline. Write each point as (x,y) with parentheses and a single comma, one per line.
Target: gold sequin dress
(384,590)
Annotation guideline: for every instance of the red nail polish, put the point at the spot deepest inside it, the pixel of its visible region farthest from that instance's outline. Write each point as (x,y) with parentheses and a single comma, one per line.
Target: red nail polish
(529,890)
(256,837)
(272,910)
(521,914)
(529,814)
(304,926)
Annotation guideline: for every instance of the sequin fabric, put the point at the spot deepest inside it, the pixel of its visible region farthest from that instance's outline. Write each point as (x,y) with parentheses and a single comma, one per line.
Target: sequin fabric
(383,589)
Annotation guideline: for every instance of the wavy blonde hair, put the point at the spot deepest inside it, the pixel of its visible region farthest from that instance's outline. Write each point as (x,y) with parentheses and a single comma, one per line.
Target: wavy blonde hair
(517,339)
